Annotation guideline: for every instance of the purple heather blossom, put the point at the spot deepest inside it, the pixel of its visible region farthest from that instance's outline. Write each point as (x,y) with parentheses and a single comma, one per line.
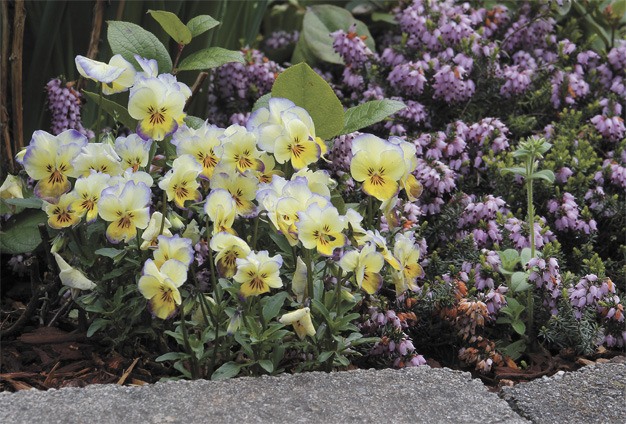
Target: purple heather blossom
(545,274)
(518,234)
(611,128)
(65,106)
(517,81)
(563,174)
(351,47)
(566,213)
(408,79)
(450,84)
(281,39)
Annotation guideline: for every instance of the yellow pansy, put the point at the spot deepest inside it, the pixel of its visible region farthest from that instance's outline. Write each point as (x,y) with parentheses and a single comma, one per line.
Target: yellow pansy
(258,272)
(61,214)
(240,150)
(126,208)
(160,286)
(72,277)
(153,230)
(116,76)
(99,157)
(300,319)
(267,123)
(221,210)
(378,164)
(87,191)
(204,144)
(181,182)
(297,145)
(242,188)
(321,229)
(366,266)
(408,255)
(229,248)
(173,247)
(133,150)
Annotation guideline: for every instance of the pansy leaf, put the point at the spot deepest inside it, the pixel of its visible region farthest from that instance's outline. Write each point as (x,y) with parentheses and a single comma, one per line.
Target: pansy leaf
(193,122)
(20,234)
(28,203)
(172,25)
(303,86)
(128,39)
(209,58)
(272,305)
(201,24)
(228,370)
(267,365)
(116,110)
(369,113)
(96,325)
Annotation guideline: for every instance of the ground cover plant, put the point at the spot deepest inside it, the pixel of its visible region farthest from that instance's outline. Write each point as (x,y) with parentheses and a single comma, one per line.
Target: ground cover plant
(440,181)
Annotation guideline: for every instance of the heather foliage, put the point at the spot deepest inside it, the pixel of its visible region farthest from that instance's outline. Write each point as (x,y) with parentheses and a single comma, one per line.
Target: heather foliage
(453,178)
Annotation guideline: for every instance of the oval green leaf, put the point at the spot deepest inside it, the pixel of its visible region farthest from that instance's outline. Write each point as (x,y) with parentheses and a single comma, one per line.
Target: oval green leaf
(201,24)
(172,25)
(22,232)
(303,86)
(128,39)
(116,110)
(209,58)
(369,113)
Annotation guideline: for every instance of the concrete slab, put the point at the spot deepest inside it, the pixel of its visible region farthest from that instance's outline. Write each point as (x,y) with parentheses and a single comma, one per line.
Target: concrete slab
(593,394)
(415,395)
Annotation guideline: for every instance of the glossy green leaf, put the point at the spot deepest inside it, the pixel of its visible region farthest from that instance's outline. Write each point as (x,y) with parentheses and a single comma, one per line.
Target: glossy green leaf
(115,110)
(172,25)
(209,58)
(228,370)
(128,39)
(303,86)
(369,113)
(320,21)
(201,24)
(20,234)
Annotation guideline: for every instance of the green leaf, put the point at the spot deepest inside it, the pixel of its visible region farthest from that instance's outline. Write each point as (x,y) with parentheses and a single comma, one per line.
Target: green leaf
(193,122)
(109,252)
(116,110)
(303,86)
(514,170)
(525,255)
(515,349)
(262,101)
(509,258)
(28,203)
(128,39)
(544,174)
(21,233)
(519,327)
(272,305)
(320,21)
(172,25)
(201,24)
(369,113)
(172,356)
(519,282)
(324,356)
(96,325)
(209,58)
(282,243)
(384,17)
(228,370)
(267,365)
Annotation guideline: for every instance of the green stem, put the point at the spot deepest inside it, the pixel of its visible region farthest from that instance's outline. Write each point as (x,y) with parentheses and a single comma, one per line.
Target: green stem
(531,228)
(309,275)
(255,232)
(210,252)
(195,371)
(97,132)
(163,212)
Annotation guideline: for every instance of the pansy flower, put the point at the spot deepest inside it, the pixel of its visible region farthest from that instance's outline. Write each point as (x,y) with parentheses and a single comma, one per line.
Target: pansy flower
(296,144)
(300,319)
(181,182)
(229,248)
(72,277)
(99,157)
(126,208)
(87,191)
(378,164)
(160,286)
(366,265)
(48,159)
(116,76)
(204,144)
(408,255)
(158,107)
(61,214)
(258,272)
(221,210)
(321,228)
(133,151)
(267,123)
(240,150)
(155,228)
(173,247)
(242,188)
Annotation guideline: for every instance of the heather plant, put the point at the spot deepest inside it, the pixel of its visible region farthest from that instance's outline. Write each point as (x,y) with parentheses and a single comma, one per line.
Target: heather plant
(447,185)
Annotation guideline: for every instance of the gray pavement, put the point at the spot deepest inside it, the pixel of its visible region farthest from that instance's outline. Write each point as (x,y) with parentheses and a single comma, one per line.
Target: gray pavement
(415,395)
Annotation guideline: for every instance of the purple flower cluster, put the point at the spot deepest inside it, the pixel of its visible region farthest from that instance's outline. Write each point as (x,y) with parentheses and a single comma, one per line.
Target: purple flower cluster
(452,85)
(351,47)
(280,39)
(479,218)
(517,80)
(518,233)
(65,103)
(394,343)
(567,215)
(546,276)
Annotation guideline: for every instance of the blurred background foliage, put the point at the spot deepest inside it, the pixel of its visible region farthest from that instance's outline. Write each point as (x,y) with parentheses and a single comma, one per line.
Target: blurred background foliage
(55,31)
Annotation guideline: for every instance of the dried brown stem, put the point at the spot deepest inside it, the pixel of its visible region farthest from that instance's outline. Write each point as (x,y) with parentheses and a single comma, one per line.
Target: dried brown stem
(94,41)
(16,73)
(195,88)
(4,81)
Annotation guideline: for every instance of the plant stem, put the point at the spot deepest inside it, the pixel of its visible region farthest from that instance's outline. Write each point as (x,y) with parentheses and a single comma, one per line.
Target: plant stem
(530,168)
(163,212)
(97,132)
(195,371)
(255,232)
(309,274)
